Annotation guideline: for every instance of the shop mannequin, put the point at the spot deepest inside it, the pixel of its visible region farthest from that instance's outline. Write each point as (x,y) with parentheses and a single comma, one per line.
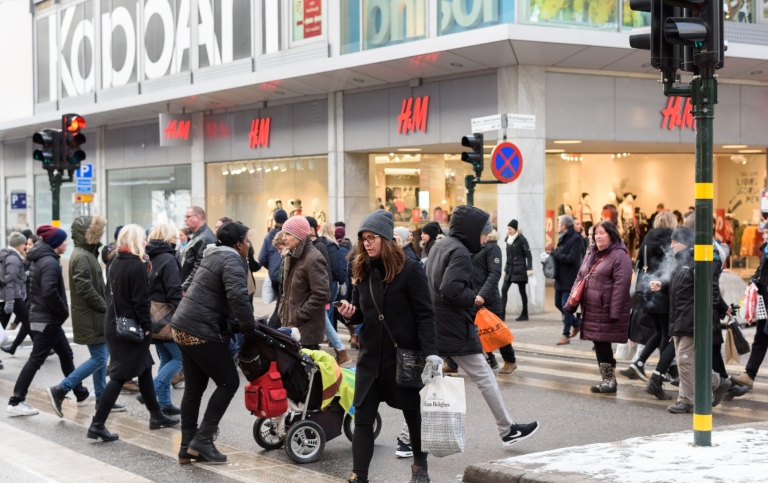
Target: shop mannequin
(271,208)
(317,213)
(610,212)
(296,204)
(565,208)
(629,227)
(585,213)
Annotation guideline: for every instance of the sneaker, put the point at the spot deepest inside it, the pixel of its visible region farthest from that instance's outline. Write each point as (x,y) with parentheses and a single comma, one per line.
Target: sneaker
(719,393)
(675,382)
(509,368)
(56,394)
(628,373)
(403,450)
(680,408)
(449,370)
(86,401)
(22,409)
(735,391)
(743,379)
(130,386)
(116,408)
(563,340)
(178,380)
(639,371)
(519,432)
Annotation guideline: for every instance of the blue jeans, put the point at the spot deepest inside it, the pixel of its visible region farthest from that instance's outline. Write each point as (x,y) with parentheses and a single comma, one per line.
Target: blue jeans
(333,337)
(96,366)
(569,320)
(170,365)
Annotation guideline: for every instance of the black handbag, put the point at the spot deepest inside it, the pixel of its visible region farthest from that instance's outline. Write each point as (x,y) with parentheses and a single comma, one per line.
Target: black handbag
(126,329)
(409,363)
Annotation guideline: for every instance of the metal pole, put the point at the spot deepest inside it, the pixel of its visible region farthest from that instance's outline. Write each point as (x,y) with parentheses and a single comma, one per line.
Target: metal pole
(704,98)
(469,182)
(55,179)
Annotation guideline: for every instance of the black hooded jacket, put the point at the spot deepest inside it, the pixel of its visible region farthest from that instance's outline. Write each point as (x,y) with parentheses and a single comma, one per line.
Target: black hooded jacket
(47,298)
(449,273)
(654,251)
(568,255)
(165,276)
(486,273)
(681,295)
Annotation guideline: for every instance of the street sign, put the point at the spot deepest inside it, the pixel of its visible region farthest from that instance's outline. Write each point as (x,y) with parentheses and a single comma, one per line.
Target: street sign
(83,198)
(488,123)
(84,186)
(506,162)
(18,200)
(85,171)
(521,121)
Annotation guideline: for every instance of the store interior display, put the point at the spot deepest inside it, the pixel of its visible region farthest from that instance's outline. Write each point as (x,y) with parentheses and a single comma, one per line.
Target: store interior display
(565,208)
(585,212)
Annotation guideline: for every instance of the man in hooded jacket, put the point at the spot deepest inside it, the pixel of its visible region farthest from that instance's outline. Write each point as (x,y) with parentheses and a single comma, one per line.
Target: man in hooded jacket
(449,273)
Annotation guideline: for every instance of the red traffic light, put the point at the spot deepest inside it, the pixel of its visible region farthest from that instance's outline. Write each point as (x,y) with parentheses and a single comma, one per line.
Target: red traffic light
(73,122)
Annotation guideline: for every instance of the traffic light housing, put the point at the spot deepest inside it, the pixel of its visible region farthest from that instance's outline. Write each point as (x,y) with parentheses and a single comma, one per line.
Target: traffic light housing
(49,152)
(665,56)
(474,157)
(72,139)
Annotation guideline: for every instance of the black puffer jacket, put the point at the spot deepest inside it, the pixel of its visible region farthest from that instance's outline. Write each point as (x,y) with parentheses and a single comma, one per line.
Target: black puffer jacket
(655,254)
(568,255)
(218,295)
(48,299)
(681,295)
(449,272)
(519,259)
(165,276)
(486,272)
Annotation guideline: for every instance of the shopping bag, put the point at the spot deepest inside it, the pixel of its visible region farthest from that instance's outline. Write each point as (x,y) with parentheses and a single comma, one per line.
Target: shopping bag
(739,341)
(731,354)
(626,351)
(267,293)
(493,332)
(750,304)
(443,413)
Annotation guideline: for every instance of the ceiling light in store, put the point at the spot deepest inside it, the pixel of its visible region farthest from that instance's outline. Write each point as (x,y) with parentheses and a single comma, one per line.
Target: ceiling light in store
(397,159)
(258,166)
(251,168)
(232,169)
(554,151)
(275,166)
(292,164)
(381,159)
(299,167)
(311,164)
(568,141)
(571,157)
(391,154)
(242,168)
(409,158)
(739,159)
(402,171)
(283,167)
(750,151)
(735,146)
(452,157)
(409,150)
(224,169)
(267,168)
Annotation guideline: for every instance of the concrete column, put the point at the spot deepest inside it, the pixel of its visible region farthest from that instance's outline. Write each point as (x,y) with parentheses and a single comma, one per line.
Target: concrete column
(100,167)
(356,193)
(522,91)
(30,175)
(198,160)
(336,180)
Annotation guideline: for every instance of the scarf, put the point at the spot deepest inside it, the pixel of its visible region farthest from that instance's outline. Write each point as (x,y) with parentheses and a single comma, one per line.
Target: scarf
(511,239)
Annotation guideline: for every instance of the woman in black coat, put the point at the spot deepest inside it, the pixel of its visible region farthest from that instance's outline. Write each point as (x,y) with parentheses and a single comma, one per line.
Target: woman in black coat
(519,267)
(216,300)
(402,294)
(129,298)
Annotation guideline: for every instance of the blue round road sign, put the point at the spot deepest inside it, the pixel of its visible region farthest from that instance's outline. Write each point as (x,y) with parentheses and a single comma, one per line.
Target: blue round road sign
(506,162)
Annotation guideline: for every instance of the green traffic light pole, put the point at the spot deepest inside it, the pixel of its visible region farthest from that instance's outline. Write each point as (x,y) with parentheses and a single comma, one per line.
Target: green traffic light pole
(703,94)
(56,179)
(470,181)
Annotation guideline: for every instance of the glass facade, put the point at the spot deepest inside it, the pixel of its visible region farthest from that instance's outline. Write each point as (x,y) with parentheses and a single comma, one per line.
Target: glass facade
(370,24)
(146,196)
(593,14)
(459,16)
(251,191)
(68,209)
(15,217)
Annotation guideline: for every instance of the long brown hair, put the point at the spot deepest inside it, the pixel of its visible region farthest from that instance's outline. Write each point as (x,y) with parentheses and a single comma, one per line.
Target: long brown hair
(392,256)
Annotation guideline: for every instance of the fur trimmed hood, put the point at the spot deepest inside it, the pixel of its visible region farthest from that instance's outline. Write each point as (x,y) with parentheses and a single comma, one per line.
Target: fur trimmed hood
(88,230)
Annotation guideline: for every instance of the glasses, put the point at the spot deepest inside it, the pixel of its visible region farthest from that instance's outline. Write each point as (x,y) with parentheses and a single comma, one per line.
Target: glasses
(368,239)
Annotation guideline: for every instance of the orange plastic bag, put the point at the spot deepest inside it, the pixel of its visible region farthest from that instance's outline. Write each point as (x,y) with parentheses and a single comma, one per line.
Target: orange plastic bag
(493,332)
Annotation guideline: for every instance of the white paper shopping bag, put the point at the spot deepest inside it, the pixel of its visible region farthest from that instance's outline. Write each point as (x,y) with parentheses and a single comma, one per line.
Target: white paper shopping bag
(443,412)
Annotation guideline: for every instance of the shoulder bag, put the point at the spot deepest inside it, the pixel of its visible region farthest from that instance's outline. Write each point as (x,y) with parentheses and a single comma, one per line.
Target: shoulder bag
(577,292)
(410,363)
(160,314)
(127,329)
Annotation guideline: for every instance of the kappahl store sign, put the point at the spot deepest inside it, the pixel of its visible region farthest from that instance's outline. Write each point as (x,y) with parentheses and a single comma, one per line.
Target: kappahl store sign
(164,49)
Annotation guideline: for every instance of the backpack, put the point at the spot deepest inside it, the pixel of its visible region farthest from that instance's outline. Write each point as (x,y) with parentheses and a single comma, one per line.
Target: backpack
(549,267)
(266,397)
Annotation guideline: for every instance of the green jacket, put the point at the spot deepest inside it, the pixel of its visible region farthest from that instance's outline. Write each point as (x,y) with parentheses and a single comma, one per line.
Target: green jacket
(86,282)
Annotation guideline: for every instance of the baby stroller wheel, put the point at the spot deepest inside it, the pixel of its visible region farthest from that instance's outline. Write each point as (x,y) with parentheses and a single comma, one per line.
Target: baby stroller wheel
(305,441)
(265,433)
(349,427)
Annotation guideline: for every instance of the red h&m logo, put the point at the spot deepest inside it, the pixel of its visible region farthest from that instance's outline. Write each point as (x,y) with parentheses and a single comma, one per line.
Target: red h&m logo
(678,113)
(259,135)
(217,130)
(412,117)
(177,130)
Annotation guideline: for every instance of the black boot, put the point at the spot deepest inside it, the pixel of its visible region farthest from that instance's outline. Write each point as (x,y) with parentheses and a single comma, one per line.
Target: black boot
(356,479)
(523,315)
(608,386)
(419,474)
(202,444)
(159,420)
(187,435)
(656,387)
(97,430)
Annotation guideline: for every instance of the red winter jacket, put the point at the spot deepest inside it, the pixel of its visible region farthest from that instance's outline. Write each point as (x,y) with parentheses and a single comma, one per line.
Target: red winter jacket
(606,301)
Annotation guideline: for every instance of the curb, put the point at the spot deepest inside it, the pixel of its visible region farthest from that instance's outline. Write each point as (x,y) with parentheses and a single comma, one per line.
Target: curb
(496,473)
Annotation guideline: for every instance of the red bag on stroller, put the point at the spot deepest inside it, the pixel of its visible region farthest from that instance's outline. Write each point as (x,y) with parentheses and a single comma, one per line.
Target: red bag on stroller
(265,396)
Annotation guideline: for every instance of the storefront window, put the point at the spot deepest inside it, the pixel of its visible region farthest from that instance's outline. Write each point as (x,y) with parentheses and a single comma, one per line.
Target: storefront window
(16,205)
(68,209)
(419,188)
(632,19)
(251,191)
(741,11)
(307,20)
(597,14)
(462,15)
(147,196)
(380,23)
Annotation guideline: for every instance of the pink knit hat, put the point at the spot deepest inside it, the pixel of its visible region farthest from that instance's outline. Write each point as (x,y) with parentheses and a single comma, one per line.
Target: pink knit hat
(297,226)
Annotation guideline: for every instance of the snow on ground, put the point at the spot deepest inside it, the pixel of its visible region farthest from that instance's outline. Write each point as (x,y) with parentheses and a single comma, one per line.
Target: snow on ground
(737,455)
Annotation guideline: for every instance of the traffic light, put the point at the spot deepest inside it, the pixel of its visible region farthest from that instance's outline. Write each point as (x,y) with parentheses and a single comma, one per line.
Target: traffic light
(72,139)
(665,56)
(475,157)
(50,141)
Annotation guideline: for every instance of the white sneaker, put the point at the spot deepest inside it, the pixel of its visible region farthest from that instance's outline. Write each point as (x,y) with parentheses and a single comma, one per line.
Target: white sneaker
(22,409)
(87,401)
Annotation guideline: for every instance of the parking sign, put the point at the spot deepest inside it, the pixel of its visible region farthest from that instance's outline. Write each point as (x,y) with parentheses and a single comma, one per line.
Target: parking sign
(85,171)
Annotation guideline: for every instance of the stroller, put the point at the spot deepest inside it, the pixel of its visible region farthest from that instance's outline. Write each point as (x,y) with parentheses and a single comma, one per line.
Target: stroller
(303,430)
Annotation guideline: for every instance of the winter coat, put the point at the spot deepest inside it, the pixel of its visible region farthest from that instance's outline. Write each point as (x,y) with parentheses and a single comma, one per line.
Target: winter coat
(165,276)
(719,306)
(409,253)
(192,256)
(659,262)
(217,299)
(322,247)
(449,273)
(269,257)
(128,297)
(486,272)
(568,256)
(305,292)
(681,295)
(519,260)
(407,310)
(606,302)
(14,275)
(47,297)
(86,281)
(337,262)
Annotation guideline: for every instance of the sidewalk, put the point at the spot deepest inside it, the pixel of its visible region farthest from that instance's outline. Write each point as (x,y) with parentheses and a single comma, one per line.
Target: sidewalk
(739,454)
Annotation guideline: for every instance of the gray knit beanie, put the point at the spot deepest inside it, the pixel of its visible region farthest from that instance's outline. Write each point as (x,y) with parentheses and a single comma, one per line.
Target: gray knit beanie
(379,222)
(488,228)
(404,234)
(15,239)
